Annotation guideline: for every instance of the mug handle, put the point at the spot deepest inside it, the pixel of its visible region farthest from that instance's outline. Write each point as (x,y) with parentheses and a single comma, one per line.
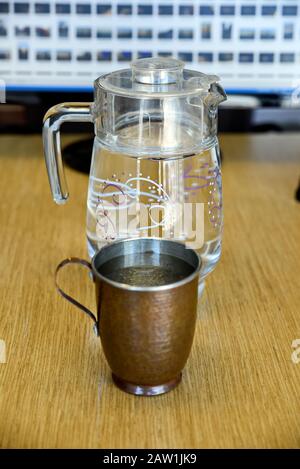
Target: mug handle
(76,260)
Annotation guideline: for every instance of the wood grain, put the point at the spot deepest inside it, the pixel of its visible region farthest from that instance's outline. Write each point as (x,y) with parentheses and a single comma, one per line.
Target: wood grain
(240,388)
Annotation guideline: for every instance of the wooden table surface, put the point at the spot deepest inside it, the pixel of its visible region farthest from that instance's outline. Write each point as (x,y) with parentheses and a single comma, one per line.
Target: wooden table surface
(240,387)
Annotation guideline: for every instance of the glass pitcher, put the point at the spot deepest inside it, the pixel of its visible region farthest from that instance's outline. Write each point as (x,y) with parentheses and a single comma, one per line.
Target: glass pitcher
(155,169)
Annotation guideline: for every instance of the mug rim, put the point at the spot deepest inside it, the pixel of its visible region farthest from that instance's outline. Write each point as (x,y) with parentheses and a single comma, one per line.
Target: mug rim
(125,286)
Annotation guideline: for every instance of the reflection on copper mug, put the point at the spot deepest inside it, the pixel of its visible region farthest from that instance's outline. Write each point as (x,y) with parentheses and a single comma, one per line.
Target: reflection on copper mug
(146,294)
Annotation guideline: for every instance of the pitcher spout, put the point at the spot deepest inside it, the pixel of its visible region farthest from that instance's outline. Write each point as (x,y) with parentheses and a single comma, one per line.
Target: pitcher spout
(216,94)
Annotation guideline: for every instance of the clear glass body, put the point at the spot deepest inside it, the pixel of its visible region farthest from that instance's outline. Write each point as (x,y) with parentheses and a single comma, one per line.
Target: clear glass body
(155,168)
(131,196)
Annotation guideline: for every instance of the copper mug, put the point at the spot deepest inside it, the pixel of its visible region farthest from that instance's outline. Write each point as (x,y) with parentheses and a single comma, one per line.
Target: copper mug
(146,329)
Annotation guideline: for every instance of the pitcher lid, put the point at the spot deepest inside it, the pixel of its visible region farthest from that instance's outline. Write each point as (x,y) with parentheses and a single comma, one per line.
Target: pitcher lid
(156,77)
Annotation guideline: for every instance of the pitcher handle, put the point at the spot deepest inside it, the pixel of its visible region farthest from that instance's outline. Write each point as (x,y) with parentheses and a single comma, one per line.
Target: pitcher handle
(76,260)
(54,117)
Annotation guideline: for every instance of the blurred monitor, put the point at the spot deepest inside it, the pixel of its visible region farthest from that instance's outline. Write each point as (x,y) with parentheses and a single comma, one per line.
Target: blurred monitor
(63,45)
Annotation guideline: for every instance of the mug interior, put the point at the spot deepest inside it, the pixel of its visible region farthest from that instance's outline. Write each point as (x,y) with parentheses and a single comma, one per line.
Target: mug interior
(180,263)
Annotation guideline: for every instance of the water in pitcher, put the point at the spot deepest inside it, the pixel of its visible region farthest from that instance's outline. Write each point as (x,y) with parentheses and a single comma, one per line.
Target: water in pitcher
(148,193)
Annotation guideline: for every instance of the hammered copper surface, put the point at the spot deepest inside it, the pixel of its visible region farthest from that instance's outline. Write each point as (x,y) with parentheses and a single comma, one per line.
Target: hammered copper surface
(146,331)
(146,336)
